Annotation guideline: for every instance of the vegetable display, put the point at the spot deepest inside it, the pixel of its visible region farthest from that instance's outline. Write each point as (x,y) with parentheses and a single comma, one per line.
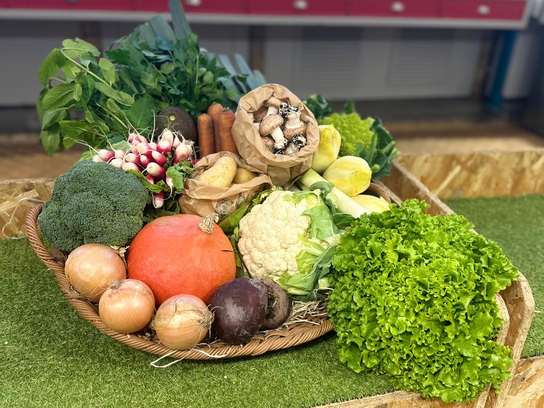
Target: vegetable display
(94,203)
(410,295)
(413,298)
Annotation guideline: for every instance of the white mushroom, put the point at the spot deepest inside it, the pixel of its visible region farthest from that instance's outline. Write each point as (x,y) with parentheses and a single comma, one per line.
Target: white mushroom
(293,125)
(271,125)
(273,106)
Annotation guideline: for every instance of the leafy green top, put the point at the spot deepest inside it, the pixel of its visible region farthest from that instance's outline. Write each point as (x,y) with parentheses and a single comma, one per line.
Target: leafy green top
(413,297)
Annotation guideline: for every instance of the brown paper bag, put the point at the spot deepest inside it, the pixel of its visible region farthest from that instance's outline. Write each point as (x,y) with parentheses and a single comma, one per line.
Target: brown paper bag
(282,169)
(201,199)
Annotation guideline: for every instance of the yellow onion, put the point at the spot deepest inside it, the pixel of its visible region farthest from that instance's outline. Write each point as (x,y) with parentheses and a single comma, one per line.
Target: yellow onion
(127,306)
(182,321)
(349,174)
(91,267)
(372,203)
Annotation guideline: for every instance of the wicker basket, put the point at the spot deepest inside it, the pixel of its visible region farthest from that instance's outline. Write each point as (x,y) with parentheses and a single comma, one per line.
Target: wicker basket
(282,338)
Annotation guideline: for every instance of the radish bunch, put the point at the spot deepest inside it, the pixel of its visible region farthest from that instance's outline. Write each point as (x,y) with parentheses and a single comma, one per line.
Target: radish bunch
(152,159)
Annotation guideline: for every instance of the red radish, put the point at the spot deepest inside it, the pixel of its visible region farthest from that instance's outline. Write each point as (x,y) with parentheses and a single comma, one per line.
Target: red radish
(132,137)
(132,158)
(130,166)
(183,151)
(150,178)
(106,155)
(145,149)
(169,182)
(153,145)
(97,159)
(119,154)
(158,199)
(142,139)
(167,135)
(155,170)
(117,163)
(134,149)
(158,158)
(176,143)
(164,146)
(144,160)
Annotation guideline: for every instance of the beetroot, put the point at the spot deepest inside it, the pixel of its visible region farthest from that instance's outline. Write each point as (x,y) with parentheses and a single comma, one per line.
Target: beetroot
(240,307)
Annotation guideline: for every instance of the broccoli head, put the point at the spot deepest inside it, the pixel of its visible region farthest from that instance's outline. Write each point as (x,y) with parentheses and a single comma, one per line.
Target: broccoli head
(94,203)
(352,129)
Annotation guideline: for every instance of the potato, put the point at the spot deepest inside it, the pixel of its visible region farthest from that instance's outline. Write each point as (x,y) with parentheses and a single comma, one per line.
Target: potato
(220,174)
(243,176)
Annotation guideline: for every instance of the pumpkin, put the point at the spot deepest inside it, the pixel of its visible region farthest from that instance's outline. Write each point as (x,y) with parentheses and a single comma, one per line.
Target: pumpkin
(181,254)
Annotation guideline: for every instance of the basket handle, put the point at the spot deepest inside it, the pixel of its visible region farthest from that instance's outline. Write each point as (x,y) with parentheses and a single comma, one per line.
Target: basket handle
(376,188)
(37,245)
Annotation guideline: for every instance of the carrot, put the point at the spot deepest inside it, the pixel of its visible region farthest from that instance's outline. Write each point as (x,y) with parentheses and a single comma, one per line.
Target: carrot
(204,125)
(214,110)
(226,120)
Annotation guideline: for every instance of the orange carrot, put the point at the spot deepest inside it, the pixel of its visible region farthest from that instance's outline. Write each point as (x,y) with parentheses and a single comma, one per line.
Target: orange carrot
(214,110)
(226,120)
(204,125)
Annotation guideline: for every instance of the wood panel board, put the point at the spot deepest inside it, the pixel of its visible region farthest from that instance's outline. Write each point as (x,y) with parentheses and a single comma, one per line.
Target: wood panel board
(483,174)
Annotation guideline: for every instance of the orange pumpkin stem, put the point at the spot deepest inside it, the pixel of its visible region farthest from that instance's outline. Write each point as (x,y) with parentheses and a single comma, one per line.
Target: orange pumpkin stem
(208,222)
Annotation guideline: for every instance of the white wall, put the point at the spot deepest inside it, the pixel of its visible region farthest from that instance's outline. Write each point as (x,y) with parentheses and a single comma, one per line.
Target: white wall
(24,45)
(373,63)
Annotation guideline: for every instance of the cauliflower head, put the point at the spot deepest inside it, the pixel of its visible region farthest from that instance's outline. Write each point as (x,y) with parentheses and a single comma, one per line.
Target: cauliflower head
(270,234)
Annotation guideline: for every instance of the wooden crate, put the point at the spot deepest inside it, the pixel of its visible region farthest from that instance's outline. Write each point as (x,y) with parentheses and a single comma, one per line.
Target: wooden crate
(482,174)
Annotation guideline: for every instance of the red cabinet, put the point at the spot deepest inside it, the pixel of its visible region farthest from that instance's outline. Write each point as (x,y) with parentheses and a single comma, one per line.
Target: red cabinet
(196,6)
(483,10)
(395,8)
(298,7)
(73,4)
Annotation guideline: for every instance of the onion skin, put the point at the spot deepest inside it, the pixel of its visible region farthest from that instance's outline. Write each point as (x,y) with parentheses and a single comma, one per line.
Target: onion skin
(182,321)
(127,306)
(91,267)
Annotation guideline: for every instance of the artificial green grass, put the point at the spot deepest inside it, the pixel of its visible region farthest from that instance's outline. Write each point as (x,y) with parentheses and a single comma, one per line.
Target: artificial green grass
(50,356)
(517,225)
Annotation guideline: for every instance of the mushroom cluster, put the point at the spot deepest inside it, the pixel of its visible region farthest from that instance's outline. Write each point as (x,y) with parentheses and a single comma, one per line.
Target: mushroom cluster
(280,127)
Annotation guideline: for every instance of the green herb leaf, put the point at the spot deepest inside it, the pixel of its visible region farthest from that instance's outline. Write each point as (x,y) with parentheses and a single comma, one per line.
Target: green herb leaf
(78,91)
(88,88)
(51,117)
(154,188)
(142,113)
(79,48)
(79,130)
(59,96)
(108,70)
(179,173)
(50,139)
(50,66)
(121,97)
(70,69)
